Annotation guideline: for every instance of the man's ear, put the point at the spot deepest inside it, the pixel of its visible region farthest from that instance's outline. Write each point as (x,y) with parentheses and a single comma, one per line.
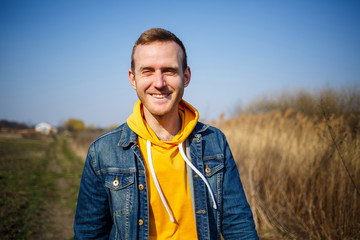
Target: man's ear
(132,79)
(187,76)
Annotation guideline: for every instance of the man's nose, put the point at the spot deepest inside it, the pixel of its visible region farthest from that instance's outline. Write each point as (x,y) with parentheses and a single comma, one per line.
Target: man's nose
(159,81)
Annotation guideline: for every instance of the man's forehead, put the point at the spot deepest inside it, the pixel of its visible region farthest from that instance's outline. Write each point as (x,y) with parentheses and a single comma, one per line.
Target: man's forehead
(166,49)
(155,44)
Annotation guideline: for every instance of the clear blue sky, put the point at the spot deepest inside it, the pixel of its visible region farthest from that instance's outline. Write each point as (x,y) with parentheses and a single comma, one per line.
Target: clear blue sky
(70,58)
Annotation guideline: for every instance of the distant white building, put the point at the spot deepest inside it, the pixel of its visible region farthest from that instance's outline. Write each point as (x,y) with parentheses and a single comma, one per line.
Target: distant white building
(45,128)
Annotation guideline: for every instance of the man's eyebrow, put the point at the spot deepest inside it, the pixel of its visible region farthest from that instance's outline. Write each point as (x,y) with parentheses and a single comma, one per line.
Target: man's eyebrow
(145,68)
(172,68)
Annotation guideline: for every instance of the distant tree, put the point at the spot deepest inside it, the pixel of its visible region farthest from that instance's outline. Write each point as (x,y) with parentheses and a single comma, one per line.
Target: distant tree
(74,125)
(13,125)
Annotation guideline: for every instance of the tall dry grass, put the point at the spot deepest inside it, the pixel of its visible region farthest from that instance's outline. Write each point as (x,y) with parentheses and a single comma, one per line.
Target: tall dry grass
(301,172)
(80,141)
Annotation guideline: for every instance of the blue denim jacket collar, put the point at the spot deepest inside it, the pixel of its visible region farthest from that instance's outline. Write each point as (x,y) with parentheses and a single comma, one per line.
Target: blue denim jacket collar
(128,137)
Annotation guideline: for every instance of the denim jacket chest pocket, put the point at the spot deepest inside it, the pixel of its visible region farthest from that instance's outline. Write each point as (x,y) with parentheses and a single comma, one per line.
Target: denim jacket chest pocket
(213,169)
(121,191)
(213,164)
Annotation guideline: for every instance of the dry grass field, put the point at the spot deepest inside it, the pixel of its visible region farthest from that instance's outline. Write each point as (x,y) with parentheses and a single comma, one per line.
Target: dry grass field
(301,173)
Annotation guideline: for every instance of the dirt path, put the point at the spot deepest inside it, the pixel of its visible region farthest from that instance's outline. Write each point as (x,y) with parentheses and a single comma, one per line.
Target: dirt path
(59,212)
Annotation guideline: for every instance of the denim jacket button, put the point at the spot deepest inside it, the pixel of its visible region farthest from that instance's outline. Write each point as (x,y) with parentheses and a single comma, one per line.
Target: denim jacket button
(207,170)
(116,182)
(141,187)
(141,222)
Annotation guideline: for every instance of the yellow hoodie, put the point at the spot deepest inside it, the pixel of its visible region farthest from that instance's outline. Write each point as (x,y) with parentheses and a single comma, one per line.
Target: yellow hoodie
(167,169)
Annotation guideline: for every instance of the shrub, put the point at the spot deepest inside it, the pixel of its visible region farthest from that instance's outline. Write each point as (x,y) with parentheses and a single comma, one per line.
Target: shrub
(74,125)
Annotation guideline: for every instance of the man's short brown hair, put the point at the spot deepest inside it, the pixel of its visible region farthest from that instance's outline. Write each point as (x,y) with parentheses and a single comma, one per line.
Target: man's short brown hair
(160,35)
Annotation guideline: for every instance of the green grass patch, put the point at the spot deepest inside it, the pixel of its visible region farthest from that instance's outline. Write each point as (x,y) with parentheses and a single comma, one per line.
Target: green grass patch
(24,185)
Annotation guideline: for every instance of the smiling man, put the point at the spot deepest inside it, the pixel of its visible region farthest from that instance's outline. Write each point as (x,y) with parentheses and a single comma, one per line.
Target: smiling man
(162,174)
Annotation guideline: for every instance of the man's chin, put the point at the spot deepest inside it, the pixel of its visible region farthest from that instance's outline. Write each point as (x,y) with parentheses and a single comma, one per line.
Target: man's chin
(159,112)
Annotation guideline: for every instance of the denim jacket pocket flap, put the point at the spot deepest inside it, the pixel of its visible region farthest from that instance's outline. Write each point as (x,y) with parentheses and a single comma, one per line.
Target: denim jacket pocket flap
(117,181)
(213,165)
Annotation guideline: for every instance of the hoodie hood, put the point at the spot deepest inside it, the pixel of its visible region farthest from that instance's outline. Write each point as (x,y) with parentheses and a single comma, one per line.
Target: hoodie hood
(189,117)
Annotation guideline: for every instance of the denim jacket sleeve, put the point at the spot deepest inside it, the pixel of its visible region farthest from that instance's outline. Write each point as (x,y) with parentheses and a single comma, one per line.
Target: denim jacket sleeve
(92,218)
(237,218)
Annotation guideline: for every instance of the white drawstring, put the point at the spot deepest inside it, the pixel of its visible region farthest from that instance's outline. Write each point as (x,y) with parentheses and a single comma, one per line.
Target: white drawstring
(148,148)
(198,172)
(153,174)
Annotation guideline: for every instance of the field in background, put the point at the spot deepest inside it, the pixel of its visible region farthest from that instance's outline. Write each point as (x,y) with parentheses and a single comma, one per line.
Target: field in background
(39,180)
(300,164)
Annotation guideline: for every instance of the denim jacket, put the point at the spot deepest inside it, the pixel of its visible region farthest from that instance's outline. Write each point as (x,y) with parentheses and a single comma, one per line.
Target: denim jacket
(113,201)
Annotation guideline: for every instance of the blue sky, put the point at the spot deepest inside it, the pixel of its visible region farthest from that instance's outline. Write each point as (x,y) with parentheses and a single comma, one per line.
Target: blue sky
(70,58)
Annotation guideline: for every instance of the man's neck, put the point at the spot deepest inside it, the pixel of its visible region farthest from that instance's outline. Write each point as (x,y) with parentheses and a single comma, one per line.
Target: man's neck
(165,128)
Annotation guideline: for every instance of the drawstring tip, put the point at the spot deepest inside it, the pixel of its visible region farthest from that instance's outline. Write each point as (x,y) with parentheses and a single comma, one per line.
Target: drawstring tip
(214,206)
(171,219)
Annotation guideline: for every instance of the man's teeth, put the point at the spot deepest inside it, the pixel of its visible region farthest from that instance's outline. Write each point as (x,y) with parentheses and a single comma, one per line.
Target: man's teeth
(159,95)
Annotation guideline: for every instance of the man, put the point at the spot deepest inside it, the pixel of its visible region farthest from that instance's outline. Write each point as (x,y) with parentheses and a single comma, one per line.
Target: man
(162,174)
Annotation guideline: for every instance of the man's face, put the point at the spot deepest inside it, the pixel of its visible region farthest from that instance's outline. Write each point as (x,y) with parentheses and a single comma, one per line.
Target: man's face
(159,79)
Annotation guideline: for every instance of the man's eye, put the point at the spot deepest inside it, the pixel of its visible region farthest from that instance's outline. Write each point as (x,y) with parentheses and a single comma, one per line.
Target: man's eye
(170,71)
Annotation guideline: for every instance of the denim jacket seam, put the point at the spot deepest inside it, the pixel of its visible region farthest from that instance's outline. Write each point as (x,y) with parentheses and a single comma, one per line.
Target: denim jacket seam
(117,130)
(93,160)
